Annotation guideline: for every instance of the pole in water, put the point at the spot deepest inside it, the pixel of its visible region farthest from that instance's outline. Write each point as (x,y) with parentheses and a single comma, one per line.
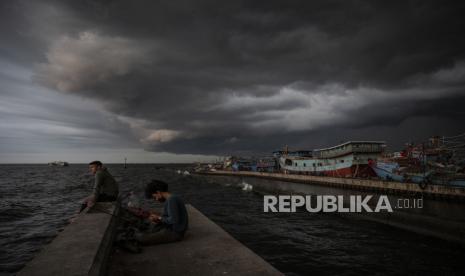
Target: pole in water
(125,165)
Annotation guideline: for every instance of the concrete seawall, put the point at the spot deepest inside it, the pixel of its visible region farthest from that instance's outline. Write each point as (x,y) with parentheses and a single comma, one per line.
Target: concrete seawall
(85,246)
(81,249)
(438,191)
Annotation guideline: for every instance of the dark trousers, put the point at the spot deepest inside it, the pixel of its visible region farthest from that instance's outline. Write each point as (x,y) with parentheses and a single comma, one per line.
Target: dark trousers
(158,235)
(106,198)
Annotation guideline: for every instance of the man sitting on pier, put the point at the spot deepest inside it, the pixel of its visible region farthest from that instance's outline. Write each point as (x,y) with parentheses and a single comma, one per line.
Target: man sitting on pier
(105,186)
(172,224)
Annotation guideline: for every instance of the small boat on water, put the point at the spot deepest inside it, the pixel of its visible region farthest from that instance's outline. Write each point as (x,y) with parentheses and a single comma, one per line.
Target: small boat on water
(59,163)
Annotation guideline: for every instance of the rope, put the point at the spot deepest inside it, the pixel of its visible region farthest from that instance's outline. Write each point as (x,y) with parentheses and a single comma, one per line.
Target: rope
(356,170)
(453,137)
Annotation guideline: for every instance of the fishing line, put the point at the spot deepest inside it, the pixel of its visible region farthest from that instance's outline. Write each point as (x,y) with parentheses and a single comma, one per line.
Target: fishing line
(67,178)
(108,213)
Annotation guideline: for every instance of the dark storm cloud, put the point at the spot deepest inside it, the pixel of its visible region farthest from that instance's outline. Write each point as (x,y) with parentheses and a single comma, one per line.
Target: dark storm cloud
(250,76)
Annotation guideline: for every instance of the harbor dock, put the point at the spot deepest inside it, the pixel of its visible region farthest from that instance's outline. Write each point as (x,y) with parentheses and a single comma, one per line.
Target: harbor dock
(430,190)
(85,247)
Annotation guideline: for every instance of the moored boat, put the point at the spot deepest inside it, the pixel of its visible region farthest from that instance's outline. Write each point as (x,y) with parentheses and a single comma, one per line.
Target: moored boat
(438,161)
(349,159)
(393,171)
(58,163)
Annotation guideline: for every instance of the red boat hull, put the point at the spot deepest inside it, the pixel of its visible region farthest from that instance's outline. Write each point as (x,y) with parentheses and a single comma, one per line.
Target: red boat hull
(352,171)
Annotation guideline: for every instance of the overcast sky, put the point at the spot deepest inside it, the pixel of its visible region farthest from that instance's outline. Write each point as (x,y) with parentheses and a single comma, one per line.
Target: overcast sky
(181,81)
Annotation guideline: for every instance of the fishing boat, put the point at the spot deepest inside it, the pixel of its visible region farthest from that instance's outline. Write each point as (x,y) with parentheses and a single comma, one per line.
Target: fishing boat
(349,159)
(266,164)
(438,161)
(59,163)
(387,170)
(244,164)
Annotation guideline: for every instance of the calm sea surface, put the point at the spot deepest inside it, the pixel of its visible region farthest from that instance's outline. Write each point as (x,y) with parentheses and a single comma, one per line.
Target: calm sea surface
(37,201)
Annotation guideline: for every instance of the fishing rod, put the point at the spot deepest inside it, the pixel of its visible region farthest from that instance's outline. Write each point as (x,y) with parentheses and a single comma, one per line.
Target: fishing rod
(119,201)
(95,207)
(453,137)
(74,181)
(66,177)
(111,214)
(138,217)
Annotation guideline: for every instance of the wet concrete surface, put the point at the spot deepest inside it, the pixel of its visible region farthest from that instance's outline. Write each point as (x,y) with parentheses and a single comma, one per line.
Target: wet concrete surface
(205,250)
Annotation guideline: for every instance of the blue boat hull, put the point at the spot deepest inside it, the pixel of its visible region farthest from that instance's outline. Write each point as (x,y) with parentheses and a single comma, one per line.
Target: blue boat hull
(388,171)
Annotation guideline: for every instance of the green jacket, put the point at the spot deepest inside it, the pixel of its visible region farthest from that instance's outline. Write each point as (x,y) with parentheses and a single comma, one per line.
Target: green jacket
(105,184)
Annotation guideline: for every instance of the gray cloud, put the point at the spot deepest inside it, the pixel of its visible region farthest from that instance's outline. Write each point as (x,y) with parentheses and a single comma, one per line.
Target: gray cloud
(83,63)
(219,78)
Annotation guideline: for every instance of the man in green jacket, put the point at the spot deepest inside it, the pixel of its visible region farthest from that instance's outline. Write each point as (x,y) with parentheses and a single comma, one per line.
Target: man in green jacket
(105,186)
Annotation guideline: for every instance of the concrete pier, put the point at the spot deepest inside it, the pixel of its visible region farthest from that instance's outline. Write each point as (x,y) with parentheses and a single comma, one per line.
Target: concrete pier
(84,248)
(81,249)
(439,191)
(206,250)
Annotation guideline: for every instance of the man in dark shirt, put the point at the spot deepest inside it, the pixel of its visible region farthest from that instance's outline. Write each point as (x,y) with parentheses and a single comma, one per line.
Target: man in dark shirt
(105,186)
(172,224)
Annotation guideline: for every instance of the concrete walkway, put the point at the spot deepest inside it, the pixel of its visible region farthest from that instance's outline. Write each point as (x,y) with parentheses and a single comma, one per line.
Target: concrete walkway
(81,249)
(206,250)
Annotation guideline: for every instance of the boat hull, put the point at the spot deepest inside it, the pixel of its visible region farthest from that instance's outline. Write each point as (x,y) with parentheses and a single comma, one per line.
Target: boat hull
(353,171)
(345,166)
(391,171)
